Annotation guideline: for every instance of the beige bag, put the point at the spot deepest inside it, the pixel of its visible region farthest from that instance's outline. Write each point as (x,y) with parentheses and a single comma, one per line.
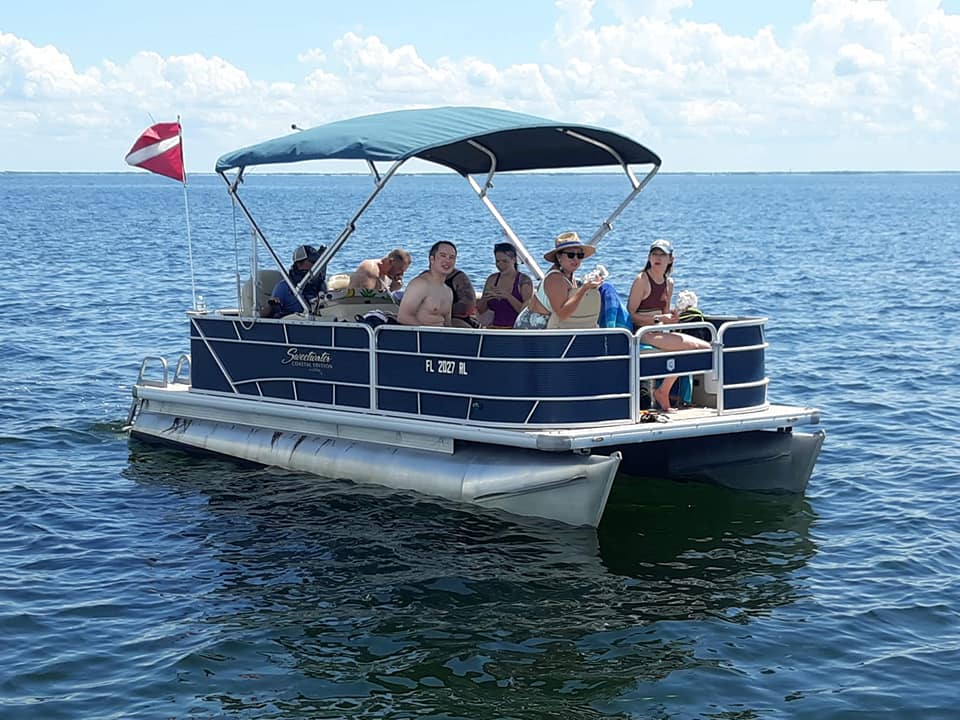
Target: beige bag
(585,316)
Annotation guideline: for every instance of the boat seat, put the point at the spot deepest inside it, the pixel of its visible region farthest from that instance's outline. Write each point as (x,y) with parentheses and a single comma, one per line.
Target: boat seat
(339,281)
(266,280)
(348,303)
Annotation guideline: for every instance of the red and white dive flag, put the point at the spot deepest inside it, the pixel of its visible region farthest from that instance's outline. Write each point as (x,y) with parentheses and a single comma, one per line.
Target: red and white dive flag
(159,151)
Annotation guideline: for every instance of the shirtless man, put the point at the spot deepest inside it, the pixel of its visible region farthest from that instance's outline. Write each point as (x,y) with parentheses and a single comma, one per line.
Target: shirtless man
(385,274)
(428,299)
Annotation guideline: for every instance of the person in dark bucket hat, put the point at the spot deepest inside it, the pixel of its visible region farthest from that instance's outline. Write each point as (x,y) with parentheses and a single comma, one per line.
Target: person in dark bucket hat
(283,301)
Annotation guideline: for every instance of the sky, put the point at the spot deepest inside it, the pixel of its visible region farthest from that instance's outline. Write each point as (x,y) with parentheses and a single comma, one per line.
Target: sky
(710,85)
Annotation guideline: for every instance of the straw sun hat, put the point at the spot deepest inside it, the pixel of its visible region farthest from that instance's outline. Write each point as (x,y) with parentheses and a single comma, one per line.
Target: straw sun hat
(567,241)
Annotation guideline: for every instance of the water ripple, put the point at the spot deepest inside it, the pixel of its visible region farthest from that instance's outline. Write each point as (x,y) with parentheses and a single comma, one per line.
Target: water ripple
(138,582)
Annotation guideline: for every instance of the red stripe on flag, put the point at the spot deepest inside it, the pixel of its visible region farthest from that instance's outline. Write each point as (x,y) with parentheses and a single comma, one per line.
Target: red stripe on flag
(159,150)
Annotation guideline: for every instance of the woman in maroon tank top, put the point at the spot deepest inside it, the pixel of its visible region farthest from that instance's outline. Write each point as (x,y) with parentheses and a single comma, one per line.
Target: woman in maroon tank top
(649,304)
(506,292)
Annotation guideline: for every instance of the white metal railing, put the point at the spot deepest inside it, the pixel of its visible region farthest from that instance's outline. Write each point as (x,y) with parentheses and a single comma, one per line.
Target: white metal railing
(636,351)
(142,378)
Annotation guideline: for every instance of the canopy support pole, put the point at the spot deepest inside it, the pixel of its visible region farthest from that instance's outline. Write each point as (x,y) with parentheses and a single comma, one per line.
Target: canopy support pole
(482,194)
(233,189)
(351,226)
(638,186)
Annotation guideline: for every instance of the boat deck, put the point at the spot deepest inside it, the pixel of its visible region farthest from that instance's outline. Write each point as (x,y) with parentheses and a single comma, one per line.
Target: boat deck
(684,423)
(179,400)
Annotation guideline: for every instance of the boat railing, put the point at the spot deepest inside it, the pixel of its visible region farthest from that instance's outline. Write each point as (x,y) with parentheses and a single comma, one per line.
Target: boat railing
(509,378)
(181,375)
(746,381)
(147,366)
(520,379)
(656,364)
(736,381)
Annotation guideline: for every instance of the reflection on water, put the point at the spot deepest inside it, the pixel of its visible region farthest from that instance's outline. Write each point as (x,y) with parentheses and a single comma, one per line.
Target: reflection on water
(712,550)
(316,598)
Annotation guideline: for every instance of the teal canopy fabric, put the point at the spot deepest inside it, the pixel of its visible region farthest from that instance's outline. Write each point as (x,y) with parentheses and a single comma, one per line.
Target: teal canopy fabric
(441,135)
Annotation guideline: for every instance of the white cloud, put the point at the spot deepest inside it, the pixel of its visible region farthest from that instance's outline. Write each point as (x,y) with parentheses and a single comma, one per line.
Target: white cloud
(911,12)
(627,10)
(314,56)
(480,74)
(575,17)
(855,58)
(857,72)
(40,73)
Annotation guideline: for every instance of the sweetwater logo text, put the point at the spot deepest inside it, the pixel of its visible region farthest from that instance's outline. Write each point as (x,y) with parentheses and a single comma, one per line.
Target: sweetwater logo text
(310,359)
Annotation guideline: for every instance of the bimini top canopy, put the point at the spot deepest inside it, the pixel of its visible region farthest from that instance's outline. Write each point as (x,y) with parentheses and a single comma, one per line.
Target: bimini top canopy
(450,136)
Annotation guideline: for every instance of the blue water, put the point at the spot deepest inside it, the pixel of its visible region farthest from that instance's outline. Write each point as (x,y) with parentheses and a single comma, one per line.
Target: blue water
(142,583)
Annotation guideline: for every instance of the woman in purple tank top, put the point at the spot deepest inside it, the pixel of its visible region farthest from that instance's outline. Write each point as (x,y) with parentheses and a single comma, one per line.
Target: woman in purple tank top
(649,304)
(506,292)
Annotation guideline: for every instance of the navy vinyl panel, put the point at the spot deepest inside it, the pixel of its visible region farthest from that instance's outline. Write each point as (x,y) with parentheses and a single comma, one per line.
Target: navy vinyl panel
(247,361)
(350,396)
(743,367)
(248,388)
(743,336)
(600,345)
(581,411)
(465,344)
(204,372)
(315,392)
(651,364)
(211,328)
(278,389)
(505,378)
(448,406)
(352,337)
(529,344)
(398,401)
(744,397)
(502,411)
(321,335)
(399,340)
(479,377)
(261,332)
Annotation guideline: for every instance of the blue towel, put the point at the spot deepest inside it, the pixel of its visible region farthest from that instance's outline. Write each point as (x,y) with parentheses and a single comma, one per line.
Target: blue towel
(683,389)
(612,312)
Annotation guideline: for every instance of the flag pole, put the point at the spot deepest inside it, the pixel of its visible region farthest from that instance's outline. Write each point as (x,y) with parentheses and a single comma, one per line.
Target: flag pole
(186,210)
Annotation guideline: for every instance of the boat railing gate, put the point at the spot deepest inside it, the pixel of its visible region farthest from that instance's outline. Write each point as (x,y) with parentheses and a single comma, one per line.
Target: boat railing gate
(737,375)
(654,364)
(737,370)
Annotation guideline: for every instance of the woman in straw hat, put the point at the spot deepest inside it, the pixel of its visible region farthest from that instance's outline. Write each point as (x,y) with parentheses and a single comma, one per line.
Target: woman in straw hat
(649,304)
(559,298)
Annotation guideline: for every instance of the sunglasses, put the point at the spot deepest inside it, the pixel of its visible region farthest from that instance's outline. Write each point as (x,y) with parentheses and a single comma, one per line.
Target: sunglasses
(578,255)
